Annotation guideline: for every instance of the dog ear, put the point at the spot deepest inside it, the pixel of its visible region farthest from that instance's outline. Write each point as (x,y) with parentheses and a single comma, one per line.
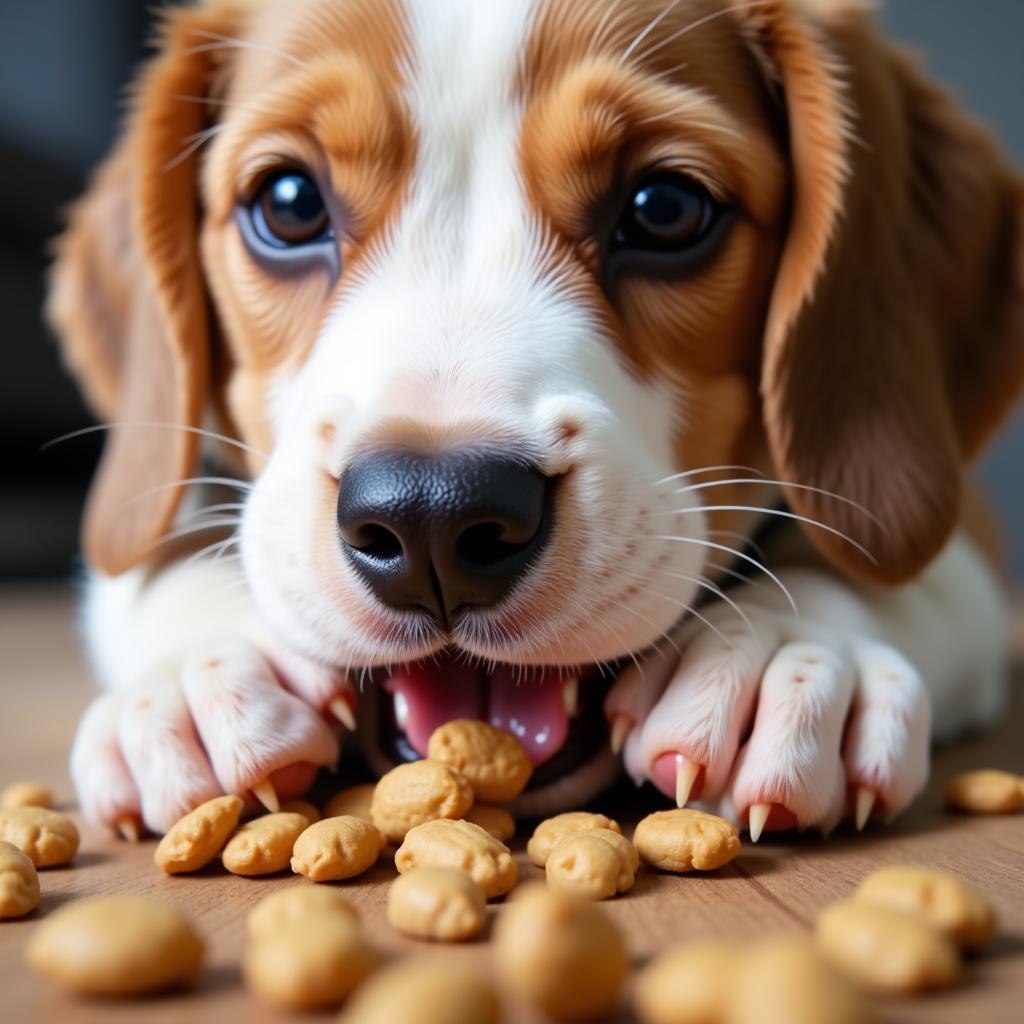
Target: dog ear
(128,302)
(894,343)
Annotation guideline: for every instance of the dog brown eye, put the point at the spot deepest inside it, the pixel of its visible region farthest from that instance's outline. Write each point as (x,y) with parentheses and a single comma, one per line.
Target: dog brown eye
(289,211)
(665,213)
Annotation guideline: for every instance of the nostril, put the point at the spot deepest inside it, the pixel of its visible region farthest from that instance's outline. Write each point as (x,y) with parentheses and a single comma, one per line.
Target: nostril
(376,542)
(483,545)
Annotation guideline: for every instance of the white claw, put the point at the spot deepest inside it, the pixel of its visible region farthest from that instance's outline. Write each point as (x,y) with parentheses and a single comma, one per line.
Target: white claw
(757,819)
(401,710)
(865,804)
(571,697)
(342,711)
(267,795)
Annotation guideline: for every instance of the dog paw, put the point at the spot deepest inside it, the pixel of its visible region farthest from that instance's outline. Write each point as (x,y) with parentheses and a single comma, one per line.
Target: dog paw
(777,722)
(216,721)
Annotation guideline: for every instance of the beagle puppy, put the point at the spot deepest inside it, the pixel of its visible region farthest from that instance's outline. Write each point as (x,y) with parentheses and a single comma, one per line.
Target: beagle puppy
(607,369)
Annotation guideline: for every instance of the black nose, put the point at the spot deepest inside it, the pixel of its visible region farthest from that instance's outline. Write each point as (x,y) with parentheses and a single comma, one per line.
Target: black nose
(442,532)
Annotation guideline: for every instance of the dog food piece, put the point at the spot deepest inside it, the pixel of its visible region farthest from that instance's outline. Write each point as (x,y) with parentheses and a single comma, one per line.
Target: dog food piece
(307,964)
(425,990)
(26,794)
(116,946)
(437,903)
(684,839)
(686,985)
(414,793)
(44,836)
(886,950)
(336,848)
(595,865)
(263,846)
(786,981)
(463,845)
(495,820)
(297,903)
(354,801)
(985,792)
(19,883)
(303,807)
(195,839)
(560,953)
(493,760)
(551,830)
(943,900)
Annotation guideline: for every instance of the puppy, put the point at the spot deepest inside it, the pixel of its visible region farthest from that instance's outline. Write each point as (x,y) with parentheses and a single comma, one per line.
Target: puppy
(509,331)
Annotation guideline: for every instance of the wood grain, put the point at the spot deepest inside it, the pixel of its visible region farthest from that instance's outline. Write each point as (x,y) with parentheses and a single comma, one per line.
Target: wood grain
(776,886)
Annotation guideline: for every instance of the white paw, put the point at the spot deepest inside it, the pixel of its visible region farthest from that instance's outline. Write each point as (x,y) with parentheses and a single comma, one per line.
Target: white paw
(216,721)
(779,723)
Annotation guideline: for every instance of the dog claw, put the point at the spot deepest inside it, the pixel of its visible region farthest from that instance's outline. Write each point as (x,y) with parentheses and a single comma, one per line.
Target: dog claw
(342,711)
(863,806)
(757,818)
(622,726)
(129,829)
(686,775)
(267,795)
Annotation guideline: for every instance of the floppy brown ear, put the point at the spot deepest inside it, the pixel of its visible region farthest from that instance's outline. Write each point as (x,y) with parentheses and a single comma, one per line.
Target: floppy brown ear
(894,343)
(128,303)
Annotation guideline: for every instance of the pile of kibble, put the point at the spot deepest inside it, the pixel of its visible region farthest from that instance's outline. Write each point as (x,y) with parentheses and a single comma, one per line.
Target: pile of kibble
(902,931)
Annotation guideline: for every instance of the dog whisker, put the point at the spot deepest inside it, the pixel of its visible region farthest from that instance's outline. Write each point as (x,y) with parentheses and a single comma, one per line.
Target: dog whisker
(699,23)
(703,581)
(222,42)
(647,30)
(202,432)
(217,522)
(217,546)
(743,539)
(214,481)
(193,142)
(704,469)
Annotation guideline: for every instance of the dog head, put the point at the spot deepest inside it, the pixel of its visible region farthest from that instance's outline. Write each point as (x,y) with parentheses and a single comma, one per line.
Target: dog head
(493,292)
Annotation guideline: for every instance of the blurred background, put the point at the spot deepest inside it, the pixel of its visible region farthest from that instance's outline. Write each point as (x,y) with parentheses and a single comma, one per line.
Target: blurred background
(64,65)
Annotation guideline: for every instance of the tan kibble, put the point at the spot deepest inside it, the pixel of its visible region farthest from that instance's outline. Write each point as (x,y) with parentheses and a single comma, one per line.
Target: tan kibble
(116,946)
(308,964)
(560,953)
(297,903)
(336,848)
(425,990)
(985,792)
(195,839)
(19,883)
(494,761)
(263,846)
(26,794)
(685,840)
(463,845)
(414,793)
(886,950)
(551,830)
(595,865)
(495,820)
(943,900)
(303,807)
(686,985)
(354,801)
(786,981)
(437,903)
(44,836)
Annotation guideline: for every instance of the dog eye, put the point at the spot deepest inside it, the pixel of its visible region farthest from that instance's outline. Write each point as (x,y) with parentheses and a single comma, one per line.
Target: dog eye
(288,210)
(665,213)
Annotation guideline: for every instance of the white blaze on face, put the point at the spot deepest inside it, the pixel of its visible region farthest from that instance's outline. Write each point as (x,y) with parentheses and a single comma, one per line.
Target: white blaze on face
(460,316)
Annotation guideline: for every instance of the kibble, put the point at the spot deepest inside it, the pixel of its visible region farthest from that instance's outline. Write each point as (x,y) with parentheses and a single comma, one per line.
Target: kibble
(551,830)
(562,954)
(886,950)
(595,865)
(463,845)
(46,837)
(943,900)
(354,801)
(336,848)
(686,985)
(19,883)
(418,792)
(495,820)
(195,839)
(303,807)
(264,845)
(437,903)
(26,794)
(684,839)
(297,903)
(116,946)
(493,760)
(985,792)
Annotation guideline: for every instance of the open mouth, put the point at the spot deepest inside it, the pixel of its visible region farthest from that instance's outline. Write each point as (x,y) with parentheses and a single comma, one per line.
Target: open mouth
(556,713)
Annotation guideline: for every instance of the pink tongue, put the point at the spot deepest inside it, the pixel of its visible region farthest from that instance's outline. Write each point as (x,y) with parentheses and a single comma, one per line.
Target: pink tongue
(530,709)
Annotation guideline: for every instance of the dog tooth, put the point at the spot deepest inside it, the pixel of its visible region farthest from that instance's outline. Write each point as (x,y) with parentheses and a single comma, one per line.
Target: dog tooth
(342,711)
(757,818)
(267,795)
(686,775)
(571,697)
(622,726)
(401,710)
(864,805)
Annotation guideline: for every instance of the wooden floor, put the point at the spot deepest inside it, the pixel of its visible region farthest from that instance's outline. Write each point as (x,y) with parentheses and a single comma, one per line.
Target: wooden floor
(779,885)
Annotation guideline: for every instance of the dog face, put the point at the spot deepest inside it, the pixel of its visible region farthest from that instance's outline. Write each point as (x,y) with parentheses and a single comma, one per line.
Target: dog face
(595,252)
